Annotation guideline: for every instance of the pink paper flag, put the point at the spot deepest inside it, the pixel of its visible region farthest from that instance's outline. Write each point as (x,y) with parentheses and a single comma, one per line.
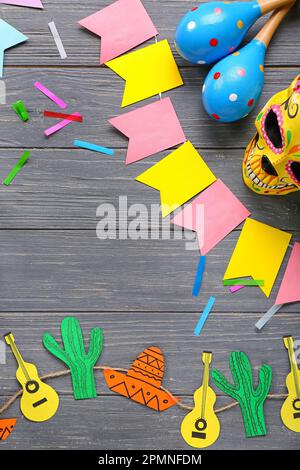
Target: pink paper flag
(213,215)
(289,290)
(24,3)
(122,25)
(150,129)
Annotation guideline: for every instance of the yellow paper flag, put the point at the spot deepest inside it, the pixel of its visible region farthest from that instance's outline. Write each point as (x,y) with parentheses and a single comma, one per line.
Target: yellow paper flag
(259,253)
(178,177)
(147,72)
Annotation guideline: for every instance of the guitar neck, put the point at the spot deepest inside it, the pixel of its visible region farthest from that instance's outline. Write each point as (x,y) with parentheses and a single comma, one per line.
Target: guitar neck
(289,344)
(206,358)
(11,342)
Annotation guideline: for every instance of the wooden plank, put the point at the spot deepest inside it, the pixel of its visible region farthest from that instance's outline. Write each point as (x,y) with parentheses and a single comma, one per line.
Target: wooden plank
(96,93)
(63,188)
(127,334)
(83,48)
(118,423)
(74,270)
(172,332)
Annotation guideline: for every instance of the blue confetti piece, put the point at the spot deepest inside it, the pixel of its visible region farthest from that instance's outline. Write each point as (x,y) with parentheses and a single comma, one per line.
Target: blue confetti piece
(96,148)
(204,316)
(199,276)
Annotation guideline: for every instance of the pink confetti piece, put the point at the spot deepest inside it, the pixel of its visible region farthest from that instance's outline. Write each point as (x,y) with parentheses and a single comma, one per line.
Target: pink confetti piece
(59,126)
(51,95)
(234,289)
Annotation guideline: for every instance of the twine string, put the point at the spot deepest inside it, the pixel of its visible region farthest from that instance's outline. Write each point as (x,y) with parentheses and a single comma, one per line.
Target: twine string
(61,373)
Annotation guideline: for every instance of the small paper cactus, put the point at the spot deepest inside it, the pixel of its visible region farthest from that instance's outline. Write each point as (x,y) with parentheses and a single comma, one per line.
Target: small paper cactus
(74,356)
(250,400)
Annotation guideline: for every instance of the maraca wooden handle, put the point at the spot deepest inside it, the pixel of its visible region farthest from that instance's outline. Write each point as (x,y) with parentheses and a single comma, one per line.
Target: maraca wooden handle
(266,33)
(269,5)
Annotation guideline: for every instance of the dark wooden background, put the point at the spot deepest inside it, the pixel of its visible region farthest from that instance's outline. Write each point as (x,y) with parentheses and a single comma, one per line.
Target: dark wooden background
(139,291)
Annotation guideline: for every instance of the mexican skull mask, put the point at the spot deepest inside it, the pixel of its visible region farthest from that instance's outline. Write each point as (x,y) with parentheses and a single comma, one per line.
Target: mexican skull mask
(271,164)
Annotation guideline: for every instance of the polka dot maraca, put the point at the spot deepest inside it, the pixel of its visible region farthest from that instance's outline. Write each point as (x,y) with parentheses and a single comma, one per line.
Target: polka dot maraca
(213,30)
(234,85)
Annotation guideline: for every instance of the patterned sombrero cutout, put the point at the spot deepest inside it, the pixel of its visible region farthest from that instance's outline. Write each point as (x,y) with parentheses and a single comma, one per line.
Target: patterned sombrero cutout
(142,383)
(6,427)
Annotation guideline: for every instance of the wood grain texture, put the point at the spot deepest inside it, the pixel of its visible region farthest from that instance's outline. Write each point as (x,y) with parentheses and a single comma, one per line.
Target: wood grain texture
(117,423)
(139,291)
(82,47)
(74,270)
(126,334)
(172,332)
(62,189)
(97,95)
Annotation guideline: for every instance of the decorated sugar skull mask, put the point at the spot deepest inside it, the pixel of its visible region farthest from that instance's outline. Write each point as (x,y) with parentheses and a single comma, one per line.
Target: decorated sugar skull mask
(271,164)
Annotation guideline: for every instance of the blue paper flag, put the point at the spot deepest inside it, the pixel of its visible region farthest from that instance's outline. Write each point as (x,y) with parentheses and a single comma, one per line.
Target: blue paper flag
(9,37)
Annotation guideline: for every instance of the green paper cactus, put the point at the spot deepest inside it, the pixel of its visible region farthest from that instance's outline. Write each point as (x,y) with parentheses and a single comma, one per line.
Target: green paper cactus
(75,357)
(250,400)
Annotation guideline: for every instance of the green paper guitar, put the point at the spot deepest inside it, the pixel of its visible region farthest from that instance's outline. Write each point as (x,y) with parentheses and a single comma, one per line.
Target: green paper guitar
(80,363)
(250,400)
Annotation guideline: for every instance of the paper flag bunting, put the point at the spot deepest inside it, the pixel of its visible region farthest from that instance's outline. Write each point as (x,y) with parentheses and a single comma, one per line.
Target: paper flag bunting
(148,72)
(150,129)
(122,26)
(258,253)
(290,287)
(221,213)
(178,177)
(9,37)
(6,427)
(142,383)
(24,3)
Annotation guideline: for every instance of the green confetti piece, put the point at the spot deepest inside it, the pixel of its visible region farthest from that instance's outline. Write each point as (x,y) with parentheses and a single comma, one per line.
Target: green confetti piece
(244,282)
(20,110)
(259,116)
(250,398)
(16,168)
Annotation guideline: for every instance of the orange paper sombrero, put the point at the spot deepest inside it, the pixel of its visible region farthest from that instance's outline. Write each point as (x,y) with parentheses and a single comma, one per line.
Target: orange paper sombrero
(142,383)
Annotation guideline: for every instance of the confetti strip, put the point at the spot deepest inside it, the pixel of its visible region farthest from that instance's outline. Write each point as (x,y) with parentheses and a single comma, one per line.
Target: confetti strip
(234,289)
(20,110)
(204,316)
(267,316)
(89,146)
(244,282)
(69,117)
(16,168)
(51,95)
(57,40)
(199,276)
(59,126)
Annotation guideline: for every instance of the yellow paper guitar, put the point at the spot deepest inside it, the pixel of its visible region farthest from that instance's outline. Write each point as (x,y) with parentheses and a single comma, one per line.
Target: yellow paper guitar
(39,401)
(201,427)
(290,411)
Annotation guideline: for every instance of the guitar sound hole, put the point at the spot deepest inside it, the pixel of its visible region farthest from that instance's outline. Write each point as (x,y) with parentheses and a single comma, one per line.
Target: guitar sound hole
(201,424)
(296,404)
(32,386)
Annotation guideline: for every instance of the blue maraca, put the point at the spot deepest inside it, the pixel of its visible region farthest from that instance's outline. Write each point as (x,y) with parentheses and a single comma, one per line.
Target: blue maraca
(213,30)
(234,85)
